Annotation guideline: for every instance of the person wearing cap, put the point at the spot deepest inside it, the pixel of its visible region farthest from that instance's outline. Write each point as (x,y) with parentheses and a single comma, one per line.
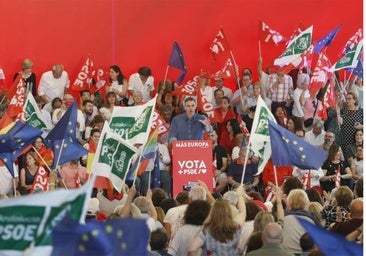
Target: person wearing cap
(53,83)
(29,78)
(219,84)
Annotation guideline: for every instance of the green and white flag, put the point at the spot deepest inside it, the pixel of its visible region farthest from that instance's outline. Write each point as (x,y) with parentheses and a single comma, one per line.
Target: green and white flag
(133,123)
(297,46)
(113,157)
(26,222)
(259,140)
(33,115)
(349,60)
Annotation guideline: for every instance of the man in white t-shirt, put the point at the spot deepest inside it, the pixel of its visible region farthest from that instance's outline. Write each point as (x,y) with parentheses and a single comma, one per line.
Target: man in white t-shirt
(6,181)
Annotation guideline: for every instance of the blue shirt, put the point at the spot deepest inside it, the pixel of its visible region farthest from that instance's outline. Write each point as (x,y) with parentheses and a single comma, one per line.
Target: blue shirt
(183,128)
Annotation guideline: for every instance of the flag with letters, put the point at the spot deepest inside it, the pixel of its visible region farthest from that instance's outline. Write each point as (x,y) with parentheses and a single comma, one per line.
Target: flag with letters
(353,41)
(133,123)
(28,220)
(220,44)
(268,35)
(113,157)
(84,78)
(321,74)
(289,149)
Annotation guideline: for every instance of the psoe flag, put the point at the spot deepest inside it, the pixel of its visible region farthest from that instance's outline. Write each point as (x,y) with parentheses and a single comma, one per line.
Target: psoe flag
(289,149)
(26,222)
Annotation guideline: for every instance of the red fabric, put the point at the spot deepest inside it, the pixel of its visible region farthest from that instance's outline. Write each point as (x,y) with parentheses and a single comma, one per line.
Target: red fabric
(266,34)
(282,172)
(221,126)
(220,44)
(41,180)
(207,107)
(16,97)
(320,75)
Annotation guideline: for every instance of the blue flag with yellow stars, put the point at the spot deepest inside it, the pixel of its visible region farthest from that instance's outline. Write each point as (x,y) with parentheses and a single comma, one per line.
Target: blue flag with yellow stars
(15,141)
(62,138)
(289,149)
(126,236)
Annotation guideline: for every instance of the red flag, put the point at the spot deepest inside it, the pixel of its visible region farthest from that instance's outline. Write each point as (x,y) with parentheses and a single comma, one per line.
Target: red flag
(330,98)
(353,41)
(188,89)
(205,106)
(2,79)
(100,77)
(159,123)
(242,125)
(305,179)
(219,44)
(321,74)
(228,71)
(266,34)
(41,180)
(85,77)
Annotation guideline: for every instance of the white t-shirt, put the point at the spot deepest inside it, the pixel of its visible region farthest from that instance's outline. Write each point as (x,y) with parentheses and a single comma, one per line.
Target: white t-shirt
(135,84)
(6,180)
(52,87)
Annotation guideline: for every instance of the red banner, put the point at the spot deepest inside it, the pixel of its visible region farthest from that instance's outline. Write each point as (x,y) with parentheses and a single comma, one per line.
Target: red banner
(189,167)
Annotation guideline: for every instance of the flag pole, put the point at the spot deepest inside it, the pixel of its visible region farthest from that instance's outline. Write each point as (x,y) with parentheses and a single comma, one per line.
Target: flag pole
(275,175)
(259,48)
(44,161)
(166,74)
(245,164)
(138,164)
(14,187)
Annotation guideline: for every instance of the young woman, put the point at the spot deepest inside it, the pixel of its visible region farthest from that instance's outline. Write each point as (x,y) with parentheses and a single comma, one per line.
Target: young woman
(28,173)
(107,110)
(118,84)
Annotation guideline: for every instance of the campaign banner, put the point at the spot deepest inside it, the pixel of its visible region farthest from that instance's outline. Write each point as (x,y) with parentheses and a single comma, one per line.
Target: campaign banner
(192,161)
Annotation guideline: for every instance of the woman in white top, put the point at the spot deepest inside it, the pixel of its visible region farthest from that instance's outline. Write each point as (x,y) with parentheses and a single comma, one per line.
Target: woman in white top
(118,84)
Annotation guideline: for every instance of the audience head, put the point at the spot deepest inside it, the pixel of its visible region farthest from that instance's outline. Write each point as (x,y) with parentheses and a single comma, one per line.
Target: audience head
(57,70)
(358,188)
(158,239)
(182,197)
(290,184)
(272,234)
(252,210)
(343,196)
(142,203)
(316,209)
(196,212)
(158,195)
(144,71)
(314,195)
(356,209)
(197,193)
(262,219)
(167,204)
(254,241)
(297,199)
(306,243)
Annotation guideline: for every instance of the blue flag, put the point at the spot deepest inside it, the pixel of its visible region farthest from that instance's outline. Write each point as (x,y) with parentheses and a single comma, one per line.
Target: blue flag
(15,141)
(289,149)
(177,61)
(62,138)
(156,172)
(113,237)
(331,244)
(358,70)
(326,41)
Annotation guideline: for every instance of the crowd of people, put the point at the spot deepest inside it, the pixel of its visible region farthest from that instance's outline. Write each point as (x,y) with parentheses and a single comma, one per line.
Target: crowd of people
(254,214)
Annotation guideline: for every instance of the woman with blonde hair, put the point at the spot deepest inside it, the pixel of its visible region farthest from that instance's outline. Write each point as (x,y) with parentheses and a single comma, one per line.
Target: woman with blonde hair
(220,234)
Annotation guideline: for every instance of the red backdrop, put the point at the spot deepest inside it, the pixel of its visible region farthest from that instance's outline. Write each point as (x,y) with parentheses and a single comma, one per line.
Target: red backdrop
(137,33)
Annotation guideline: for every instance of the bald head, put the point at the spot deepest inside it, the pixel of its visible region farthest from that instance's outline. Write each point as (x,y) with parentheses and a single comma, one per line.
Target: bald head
(272,234)
(357,209)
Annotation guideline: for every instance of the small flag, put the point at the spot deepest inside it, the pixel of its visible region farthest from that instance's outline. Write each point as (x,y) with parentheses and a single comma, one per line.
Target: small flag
(177,60)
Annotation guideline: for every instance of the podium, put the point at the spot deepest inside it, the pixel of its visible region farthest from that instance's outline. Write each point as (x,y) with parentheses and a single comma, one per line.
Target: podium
(192,161)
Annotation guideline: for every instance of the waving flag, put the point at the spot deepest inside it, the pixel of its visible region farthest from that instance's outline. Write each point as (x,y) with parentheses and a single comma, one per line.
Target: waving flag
(266,34)
(33,115)
(19,137)
(259,140)
(113,157)
(123,237)
(297,46)
(34,216)
(62,138)
(2,79)
(187,89)
(289,149)
(321,74)
(133,123)
(299,61)
(219,44)
(350,59)
(176,60)
(326,41)
(207,107)
(353,41)
(84,78)
(296,32)
(358,70)
(228,71)
(329,243)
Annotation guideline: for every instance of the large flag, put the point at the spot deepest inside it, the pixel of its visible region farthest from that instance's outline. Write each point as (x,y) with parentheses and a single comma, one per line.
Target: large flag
(299,61)
(187,89)
(268,35)
(148,155)
(350,59)
(33,115)
(353,41)
(259,141)
(133,123)
(289,149)
(228,71)
(296,32)
(329,243)
(358,70)
(113,157)
(62,138)
(297,46)
(207,107)
(326,40)
(26,222)
(19,137)
(159,123)
(220,44)
(84,78)
(127,236)
(321,74)
(176,60)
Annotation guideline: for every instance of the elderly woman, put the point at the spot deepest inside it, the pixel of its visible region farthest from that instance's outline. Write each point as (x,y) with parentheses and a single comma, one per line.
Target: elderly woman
(292,229)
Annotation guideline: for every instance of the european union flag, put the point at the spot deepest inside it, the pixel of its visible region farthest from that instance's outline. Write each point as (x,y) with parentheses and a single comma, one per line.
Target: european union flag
(15,141)
(331,243)
(289,149)
(358,70)
(326,41)
(114,237)
(62,138)
(176,60)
